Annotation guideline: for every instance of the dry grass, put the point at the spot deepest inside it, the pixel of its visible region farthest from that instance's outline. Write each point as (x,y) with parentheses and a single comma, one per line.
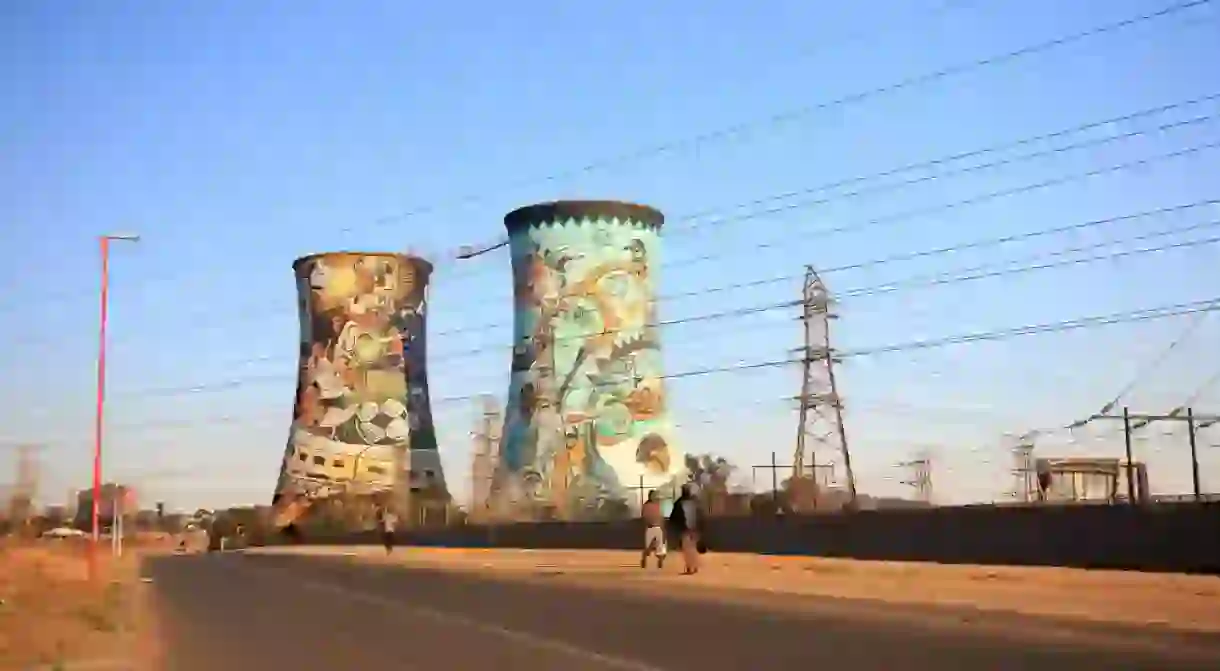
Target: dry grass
(1175,601)
(52,614)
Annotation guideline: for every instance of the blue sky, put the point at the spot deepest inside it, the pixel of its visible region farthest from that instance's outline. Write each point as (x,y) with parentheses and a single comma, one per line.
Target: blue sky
(235,136)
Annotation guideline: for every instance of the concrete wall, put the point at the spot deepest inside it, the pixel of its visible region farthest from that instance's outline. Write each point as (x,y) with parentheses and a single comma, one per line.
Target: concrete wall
(1169,537)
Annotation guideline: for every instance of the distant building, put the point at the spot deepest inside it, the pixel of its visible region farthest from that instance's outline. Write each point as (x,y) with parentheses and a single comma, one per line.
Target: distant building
(112,494)
(1087,479)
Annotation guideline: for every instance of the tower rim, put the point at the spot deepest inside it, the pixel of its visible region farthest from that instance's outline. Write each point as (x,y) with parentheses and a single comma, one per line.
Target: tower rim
(528,215)
(424,264)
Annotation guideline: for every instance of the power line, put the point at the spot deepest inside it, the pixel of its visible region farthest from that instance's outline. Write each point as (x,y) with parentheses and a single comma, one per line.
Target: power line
(709,415)
(889,219)
(1135,316)
(951,277)
(1177,411)
(954,157)
(972,274)
(874,30)
(985,197)
(261,309)
(909,256)
(881,188)
(1193,326)
(1129,317)
(776,119)
(953,249)
(980,272)
(909,214)
(872,263)
(701,140)
(279,377)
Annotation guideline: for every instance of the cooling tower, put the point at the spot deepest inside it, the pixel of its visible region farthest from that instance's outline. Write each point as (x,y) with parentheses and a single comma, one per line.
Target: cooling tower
(362,424)
(586,421)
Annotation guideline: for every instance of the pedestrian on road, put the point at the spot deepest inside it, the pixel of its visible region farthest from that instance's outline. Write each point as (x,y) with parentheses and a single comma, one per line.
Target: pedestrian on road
(388,522)
(685,521)
(654,534)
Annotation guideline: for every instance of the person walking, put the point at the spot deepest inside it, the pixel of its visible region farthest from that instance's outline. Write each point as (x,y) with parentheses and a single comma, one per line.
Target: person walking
(389,521)
(685,521)
(654,533)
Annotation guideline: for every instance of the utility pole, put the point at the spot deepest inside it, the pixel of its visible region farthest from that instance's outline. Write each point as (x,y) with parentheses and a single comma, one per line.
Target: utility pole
(99,423)
(1132,421)
(1191,428)
(820,407)
(774,468)
(921,476)
(1130,460)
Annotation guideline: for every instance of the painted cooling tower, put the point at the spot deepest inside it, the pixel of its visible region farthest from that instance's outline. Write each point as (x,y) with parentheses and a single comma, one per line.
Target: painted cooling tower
(362,423)
(586,418)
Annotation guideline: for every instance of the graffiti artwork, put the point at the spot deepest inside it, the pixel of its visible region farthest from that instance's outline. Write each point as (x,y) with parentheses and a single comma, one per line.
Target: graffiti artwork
(362,407)
(586,420)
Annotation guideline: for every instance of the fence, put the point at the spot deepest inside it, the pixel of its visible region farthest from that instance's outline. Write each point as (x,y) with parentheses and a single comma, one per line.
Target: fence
(1177,537)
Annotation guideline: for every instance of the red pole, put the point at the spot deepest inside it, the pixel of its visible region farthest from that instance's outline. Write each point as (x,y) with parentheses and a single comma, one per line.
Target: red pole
(101,402)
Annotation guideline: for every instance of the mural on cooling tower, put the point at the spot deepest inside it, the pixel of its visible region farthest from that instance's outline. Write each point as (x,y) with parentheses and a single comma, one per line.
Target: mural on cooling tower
(362,393)
(586,417)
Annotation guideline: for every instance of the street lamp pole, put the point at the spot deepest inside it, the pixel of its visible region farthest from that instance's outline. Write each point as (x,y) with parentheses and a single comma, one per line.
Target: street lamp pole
(99,422)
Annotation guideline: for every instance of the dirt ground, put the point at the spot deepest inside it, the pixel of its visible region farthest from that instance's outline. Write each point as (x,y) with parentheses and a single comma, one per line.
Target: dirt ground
(1175,601)
(52,616)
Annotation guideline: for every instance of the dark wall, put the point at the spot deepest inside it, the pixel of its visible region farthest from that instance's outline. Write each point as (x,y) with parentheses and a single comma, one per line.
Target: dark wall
(1167,537)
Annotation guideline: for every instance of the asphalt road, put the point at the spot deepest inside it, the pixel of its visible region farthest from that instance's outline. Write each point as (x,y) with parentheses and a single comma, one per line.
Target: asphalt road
(237,612)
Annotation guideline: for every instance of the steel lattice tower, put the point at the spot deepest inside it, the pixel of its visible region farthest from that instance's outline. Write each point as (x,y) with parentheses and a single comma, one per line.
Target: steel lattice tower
(1023,469)
(921,475)
(486,437)
(820,428)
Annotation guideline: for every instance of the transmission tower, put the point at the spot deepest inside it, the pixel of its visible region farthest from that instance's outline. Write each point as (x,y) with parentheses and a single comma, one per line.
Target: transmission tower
(921,476)
(27,471)
(25,489)
(486,437)
(1023,469)
(820,424)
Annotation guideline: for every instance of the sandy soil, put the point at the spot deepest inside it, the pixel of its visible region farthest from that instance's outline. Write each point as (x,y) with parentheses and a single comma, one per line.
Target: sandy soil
(52,615)
(1184,602)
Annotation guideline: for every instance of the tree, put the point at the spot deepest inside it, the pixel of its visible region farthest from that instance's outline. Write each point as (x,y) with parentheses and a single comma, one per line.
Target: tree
(709,472)
(202,517)
(802,494)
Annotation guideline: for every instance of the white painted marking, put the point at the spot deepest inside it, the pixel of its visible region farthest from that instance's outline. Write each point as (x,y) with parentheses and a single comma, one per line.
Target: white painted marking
(453,619)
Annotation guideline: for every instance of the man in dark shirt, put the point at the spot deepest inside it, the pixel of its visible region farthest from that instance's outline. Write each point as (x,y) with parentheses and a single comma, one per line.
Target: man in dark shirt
(654,533)
(685,524)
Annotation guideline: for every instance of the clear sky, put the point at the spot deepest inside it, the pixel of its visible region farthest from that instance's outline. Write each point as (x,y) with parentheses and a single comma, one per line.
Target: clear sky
(236,135)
